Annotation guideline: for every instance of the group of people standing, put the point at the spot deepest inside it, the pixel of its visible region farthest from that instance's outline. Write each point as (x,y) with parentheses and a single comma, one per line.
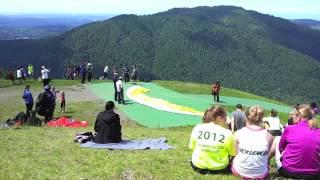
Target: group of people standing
(21,74)
(125,73)
(246,149)
(45,103)
(83,71)
(118,84)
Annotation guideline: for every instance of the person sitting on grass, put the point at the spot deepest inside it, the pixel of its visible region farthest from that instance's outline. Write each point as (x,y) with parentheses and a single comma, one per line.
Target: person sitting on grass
(253,144)
(294,117)
(212,143)
(107,126)
(273,122)
(300,147)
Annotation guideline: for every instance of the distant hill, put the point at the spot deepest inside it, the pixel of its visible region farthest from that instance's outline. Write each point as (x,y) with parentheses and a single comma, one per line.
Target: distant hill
(245,50)
(314,24)
(35,26)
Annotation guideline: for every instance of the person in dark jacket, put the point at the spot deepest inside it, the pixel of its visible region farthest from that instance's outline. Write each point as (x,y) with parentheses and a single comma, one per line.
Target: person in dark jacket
(28,99)
(83,72)
(115,79)
(107,126)
(46,104)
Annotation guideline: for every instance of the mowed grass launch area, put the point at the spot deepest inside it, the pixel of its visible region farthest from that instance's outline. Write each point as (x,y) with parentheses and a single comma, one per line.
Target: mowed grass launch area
(50,153)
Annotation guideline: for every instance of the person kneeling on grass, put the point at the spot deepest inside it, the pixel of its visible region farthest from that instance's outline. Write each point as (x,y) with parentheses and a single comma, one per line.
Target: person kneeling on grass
(107,126)
(212,143)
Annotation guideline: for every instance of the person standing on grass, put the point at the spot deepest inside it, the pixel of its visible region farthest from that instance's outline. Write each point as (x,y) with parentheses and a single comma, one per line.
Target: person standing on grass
(115,79)
(11,76)
(212,143)
(62,102)
(126,74)
(215,91)
(23,73)
(83,72)
(119,86)
(44,76)
(19,75)
(90,71)
(49,104)
(105,72)
(107,126)
(28,99)
(253,144)
(30,71)
(238,119)
(69,72)
(134,74)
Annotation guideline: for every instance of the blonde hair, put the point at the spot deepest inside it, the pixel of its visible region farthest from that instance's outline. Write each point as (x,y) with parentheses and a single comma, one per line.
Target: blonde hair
(255,115)
(211,114)
(314,123)
(305,111)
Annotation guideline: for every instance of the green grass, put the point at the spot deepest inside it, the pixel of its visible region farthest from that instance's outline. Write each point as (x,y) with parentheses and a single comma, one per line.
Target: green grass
(49,153)
(193,88)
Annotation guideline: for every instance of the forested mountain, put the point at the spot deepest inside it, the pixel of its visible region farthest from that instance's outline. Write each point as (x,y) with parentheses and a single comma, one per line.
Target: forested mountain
(314,24)
(243,49)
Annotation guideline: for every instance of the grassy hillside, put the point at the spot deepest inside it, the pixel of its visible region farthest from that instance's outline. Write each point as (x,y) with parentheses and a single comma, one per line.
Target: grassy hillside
(245,50)
(49,153)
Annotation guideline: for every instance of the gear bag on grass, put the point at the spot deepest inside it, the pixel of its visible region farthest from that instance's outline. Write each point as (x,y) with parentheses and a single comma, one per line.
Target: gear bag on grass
(42,103)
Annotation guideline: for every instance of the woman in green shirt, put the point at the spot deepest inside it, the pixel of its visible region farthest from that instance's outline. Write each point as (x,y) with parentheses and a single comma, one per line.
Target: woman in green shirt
(212,143)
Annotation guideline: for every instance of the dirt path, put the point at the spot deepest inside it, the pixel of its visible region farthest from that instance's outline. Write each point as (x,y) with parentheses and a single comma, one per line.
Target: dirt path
(74,94)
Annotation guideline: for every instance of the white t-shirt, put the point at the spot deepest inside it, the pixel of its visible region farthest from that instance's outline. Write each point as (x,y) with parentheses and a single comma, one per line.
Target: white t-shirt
(119,85)
(106,69)
(19,74)
(253,149)
(44,73)
(274,123)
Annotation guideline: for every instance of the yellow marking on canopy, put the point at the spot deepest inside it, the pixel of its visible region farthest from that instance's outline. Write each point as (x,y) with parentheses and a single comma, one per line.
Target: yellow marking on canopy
(138,94)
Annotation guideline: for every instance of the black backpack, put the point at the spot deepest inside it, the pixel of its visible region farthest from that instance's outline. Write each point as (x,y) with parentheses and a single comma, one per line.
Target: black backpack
(21,116)
(33,120)
(41,103)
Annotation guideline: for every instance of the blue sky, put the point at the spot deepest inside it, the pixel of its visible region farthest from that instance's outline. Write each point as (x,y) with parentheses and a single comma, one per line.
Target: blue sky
(290,9)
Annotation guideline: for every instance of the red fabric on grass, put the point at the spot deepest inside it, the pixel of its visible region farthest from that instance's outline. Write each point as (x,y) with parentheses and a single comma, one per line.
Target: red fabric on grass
(67,122)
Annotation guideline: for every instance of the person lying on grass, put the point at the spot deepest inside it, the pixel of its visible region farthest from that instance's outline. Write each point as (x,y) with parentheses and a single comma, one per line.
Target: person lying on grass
(107,126)
(212,143)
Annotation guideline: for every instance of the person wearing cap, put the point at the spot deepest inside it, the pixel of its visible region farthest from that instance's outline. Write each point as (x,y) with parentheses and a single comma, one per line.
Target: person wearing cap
(238,119)
(46,104)
(44,75)
(119,86)
(215,91)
